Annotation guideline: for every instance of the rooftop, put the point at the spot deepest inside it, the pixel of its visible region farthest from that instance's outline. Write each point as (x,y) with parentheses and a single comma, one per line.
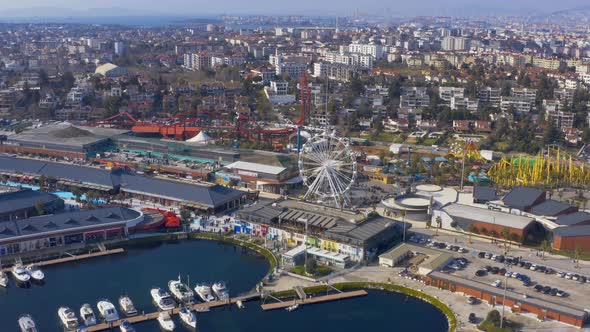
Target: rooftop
(572,231)
(23,199)
(522,197)
(65,134)
(484,193)
(254,167)
(573,219)
(469,213)
(550,207)
(65,221)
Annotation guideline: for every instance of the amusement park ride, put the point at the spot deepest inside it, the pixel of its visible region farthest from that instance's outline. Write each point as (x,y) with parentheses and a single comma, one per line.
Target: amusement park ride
(186,125)
(551,167)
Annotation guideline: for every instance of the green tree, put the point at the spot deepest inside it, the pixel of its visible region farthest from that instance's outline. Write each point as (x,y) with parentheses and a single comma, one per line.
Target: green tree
(494,318)
(40,208)
(185,216)
(438,223)
(311,266)
(545,247)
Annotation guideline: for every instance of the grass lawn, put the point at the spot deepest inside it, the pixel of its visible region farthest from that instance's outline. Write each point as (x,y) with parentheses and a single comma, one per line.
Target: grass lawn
(430,141)
(320,271)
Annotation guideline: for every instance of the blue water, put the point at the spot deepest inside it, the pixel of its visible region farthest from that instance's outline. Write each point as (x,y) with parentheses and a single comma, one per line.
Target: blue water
(135,272)
(61,194)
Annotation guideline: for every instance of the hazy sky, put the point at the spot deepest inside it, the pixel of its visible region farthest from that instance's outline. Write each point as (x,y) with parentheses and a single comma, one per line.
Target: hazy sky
(311,7)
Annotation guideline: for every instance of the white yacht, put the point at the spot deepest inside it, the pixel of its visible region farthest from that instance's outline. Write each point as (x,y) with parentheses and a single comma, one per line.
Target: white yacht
(35,273)
(127,306)
(188,317)
(68,317)
(20,274)
(107,310)
(240,304)
(204,292)
(27,324)
(87,315)
(162,299)
(180,291)
(126,326)
(3,279)
(220,290)
(166,322)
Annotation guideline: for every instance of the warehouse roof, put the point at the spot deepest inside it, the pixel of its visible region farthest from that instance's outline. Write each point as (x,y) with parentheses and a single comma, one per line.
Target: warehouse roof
(65,221)
(23,199)
(485,194)
(572,231)
(254,167)
(65,134)
(522,197)
(468,213)
(206,195)
(573,219)
(550,207)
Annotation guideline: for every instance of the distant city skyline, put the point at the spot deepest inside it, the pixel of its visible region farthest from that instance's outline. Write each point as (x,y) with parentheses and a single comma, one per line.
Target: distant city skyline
(63,8)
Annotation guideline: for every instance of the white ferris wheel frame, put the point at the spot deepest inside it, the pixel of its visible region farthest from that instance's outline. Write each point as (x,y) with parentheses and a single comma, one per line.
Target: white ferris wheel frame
(327,165)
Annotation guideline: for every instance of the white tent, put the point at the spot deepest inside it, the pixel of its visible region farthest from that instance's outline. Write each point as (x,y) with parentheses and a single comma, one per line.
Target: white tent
(201,138)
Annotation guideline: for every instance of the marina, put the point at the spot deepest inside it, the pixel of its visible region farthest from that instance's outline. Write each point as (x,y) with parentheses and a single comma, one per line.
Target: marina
(66,286)
(75,258)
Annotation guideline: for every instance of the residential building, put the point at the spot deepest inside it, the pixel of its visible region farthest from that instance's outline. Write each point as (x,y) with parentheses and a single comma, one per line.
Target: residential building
(377,51)
(414,97)
(490,96)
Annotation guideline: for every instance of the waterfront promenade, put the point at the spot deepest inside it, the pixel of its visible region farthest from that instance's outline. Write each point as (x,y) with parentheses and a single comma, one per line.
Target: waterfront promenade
(75,257)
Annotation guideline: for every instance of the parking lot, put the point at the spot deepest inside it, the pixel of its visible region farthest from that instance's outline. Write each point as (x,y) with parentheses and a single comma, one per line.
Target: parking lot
(556,289)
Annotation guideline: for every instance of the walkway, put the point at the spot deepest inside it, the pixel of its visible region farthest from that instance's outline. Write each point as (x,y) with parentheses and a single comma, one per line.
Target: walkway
(75,258)
(312,300)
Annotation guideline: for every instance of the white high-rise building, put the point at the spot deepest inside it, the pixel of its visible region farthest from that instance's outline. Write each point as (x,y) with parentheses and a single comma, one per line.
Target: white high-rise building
(377,51)
(454,43)
(119,47)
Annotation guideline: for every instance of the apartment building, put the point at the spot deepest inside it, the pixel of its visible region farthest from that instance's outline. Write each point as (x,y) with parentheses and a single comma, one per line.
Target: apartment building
(414,97)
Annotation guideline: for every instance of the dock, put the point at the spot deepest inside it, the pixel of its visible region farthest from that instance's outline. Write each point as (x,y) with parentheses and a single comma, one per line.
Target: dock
(312,300)
(75,258)
(154,315)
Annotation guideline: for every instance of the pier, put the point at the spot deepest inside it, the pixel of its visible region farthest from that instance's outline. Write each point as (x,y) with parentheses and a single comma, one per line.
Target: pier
(312,300)
(75,258)
(154,315)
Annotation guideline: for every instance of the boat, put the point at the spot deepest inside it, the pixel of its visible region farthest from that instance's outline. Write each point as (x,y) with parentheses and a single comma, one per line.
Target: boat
(87,315)
(35,272)
(68,317)
(162,299)
(240,304)
(20,274)
(292,307)
(204,292)
(205,309)
(3,279)
(126,326)
(220,290)
(166,322)
(180,291)
(107,310)
(127,306)
(188,317)
(27,324)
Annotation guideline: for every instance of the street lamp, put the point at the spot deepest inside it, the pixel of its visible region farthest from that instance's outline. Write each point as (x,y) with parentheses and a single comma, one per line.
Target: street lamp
(508,265)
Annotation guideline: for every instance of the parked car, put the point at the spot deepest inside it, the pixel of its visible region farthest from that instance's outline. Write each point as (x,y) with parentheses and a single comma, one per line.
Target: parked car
(462,250)
(472,300)
(575,277)
(582,279)
(472,318)
(533,267)
(480,273)
(568,275)
(526,283)
(521,263)
(561,274)
(488,255)
(487,268)
(481,254)
(502,271)
(495,270)
(553,291)
(527,265)
(497,283)
(538,287)
(549,271)
(546,290)
(561,293)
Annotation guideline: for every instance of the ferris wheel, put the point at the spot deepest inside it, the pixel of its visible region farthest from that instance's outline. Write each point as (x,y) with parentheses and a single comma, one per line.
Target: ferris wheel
(327,166)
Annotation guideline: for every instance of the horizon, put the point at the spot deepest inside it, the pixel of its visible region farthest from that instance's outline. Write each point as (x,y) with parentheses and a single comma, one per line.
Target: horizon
(28,9)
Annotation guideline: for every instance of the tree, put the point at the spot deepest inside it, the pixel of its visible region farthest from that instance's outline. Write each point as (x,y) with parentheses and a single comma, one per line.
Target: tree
(40,208)
(577,253)
(185,216)
(471,229)
(310,266)
(77,193)
(438,223)
(428,223)
(454,224)
(494,318)
(545,247)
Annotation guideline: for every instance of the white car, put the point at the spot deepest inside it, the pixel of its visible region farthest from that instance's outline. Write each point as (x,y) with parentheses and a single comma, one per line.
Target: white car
(462,250)
(561,274)
(534,267)
(568,275)
(497,283)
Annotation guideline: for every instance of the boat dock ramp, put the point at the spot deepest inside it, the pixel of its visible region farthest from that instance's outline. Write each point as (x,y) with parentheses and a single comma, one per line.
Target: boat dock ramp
(75,257)
(154,315)
(312,300)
